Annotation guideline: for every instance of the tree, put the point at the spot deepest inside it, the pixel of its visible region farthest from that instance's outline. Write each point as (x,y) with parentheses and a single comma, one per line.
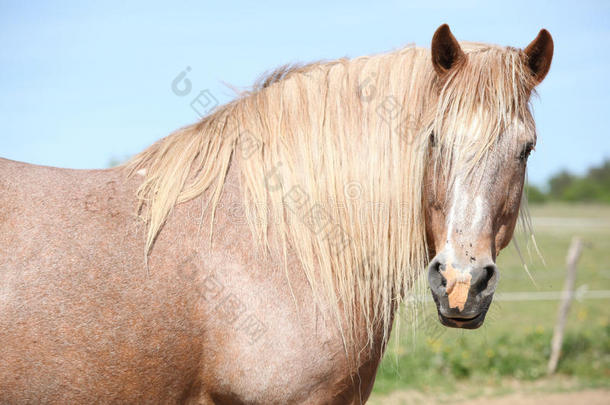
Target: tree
(593,187)
(534,194)
(559,183)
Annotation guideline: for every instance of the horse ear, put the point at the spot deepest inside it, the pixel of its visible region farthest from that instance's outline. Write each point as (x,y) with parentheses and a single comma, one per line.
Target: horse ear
(539,55)
(446,51)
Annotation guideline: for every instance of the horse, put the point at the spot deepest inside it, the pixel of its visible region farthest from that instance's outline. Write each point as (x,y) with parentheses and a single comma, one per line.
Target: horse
(261,254)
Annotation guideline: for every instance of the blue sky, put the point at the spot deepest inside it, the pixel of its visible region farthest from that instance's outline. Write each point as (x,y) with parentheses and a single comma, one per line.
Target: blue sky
(83,83)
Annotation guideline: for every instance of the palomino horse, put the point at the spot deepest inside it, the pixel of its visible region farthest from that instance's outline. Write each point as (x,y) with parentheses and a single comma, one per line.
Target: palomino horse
(260,255)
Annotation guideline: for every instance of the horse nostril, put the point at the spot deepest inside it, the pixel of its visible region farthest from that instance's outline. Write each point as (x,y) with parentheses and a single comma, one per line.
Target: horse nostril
(486,280)
(437,282)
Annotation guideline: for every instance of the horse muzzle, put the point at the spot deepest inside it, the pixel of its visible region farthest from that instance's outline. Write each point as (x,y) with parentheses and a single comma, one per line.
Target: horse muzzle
(462,295)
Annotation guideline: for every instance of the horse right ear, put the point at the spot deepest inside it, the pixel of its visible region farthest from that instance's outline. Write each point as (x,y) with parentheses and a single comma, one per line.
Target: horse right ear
(446,51)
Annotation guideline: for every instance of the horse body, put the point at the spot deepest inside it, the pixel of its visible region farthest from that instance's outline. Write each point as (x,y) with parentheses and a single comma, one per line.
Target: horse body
(260,255)
(82,319)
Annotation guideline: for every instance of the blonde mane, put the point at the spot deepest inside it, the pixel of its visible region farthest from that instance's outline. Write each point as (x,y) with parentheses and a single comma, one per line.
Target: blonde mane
(332,157)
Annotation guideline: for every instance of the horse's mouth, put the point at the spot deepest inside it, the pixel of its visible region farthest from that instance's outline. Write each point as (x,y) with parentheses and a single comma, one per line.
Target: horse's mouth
(462,322)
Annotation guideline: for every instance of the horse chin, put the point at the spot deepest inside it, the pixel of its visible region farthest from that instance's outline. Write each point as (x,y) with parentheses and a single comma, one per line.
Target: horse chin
(463,323)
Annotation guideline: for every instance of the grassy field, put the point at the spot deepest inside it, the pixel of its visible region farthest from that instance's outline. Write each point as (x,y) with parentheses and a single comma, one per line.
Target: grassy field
(514,343)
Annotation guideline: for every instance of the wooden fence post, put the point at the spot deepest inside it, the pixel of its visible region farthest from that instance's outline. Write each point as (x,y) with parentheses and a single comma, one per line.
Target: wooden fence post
(566,300)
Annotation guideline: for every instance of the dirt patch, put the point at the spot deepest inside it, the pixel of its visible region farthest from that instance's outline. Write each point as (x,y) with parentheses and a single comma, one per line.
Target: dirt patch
(588,397)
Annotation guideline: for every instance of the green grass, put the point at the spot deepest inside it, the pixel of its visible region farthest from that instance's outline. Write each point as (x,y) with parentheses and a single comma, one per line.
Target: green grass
(514,342)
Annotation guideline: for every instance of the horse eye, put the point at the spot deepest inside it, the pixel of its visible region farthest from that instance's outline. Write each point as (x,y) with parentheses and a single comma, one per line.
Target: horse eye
(525,152)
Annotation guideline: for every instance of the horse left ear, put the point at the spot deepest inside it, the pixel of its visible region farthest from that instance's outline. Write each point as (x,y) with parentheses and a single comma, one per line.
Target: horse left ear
(539,55)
